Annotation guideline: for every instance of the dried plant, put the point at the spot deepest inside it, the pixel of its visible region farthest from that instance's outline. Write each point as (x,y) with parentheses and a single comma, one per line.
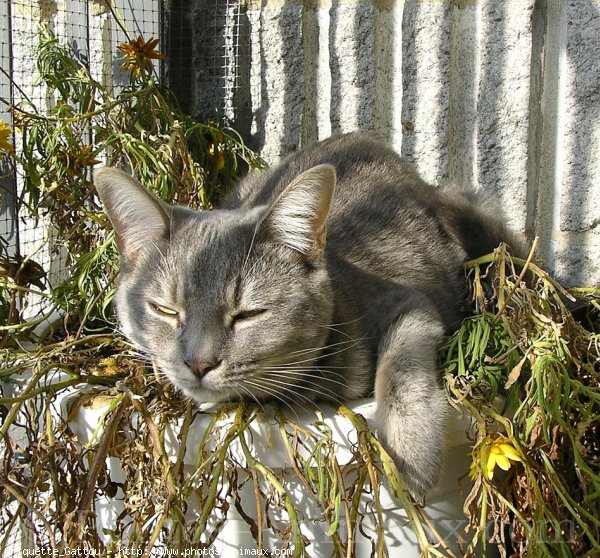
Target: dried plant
(528,373)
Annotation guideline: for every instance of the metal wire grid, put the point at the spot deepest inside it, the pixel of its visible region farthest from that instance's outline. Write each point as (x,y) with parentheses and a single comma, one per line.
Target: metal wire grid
(93,29)
(8,230)
(206,42)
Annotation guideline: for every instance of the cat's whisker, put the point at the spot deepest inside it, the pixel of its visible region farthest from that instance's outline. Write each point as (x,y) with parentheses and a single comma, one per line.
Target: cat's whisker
(251,395)
(137,350)
(293,381)
(160,252)
(144,360)
(324,350)
(127,343)
(168,266)
(276,360)
(263,384)
(336,327)
(320,348)
(168,262)
(316,371)
(291,385)
(280,381)
(339,324)
(307,367)
(305,374)
(134,351)
(274,394)
(348,344)
(250,247)
(124,338)
(254,265)
(312,372)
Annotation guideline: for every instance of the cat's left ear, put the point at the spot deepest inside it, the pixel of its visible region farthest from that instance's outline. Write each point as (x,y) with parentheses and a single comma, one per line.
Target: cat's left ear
(298,218)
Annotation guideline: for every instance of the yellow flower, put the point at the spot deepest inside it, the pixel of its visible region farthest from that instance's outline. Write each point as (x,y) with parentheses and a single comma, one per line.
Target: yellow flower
(20,119)
(138,55)
(491,452)
(5,133)
(220,156)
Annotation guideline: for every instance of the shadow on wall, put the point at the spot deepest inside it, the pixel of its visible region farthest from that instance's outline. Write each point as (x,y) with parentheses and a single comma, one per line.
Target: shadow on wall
(208,60)
(497,96)
(179,46)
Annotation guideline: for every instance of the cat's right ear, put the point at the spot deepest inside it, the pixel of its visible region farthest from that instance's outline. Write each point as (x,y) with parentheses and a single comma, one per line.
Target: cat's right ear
(138,217)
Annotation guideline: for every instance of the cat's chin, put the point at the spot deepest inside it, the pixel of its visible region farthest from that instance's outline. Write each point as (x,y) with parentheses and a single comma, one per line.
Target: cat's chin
(201,394)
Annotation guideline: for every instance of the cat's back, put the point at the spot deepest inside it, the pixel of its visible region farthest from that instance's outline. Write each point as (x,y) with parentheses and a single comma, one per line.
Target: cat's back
(362,163)
(379,199)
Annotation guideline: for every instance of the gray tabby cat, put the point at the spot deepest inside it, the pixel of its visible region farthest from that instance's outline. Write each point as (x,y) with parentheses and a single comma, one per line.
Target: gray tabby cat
(332,276)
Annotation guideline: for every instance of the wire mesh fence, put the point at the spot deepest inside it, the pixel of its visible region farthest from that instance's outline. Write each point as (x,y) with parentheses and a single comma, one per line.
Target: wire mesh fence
(208,44)
(207,50)
(92,29)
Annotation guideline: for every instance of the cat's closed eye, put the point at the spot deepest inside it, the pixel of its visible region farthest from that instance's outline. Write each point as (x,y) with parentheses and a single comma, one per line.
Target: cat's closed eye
(247,315)
(163,310)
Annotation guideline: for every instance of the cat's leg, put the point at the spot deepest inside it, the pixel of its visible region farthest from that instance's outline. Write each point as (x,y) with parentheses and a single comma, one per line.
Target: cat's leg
(411,406)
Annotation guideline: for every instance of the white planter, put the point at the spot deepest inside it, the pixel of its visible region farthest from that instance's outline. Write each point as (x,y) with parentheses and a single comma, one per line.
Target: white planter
(443,506)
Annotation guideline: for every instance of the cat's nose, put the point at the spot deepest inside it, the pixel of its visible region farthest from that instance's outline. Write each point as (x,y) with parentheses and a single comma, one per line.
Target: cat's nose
(201,368)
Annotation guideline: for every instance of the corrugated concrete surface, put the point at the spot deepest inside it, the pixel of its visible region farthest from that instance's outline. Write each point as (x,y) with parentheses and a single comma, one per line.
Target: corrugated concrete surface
(495,95)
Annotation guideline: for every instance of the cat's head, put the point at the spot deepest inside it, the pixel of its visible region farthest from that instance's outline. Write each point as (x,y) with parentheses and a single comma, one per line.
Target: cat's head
(228,303)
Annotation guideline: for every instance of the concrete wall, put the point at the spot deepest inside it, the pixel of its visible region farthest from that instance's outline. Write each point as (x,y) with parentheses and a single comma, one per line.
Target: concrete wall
(499,95)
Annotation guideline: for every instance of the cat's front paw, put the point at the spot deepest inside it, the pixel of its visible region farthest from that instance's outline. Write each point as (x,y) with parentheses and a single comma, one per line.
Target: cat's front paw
(414,435)
(411,406)
(419,469)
